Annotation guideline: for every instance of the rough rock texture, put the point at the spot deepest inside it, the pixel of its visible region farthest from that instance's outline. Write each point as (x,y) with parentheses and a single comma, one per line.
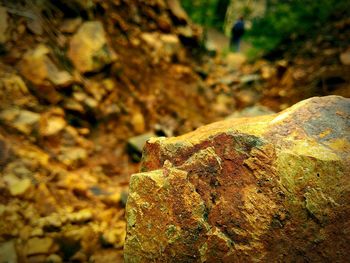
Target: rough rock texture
(273,188)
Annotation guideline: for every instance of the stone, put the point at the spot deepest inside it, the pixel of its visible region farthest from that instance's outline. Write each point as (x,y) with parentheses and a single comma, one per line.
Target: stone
(88,48)
(138,122)
(37,67)
(19,187)
(136,144)
(13,91)
(177,11)
(261,189)
(52,122)
(70,25)
(38,245)
(80,216)
(8,252)
(115,236)
(345,58)
(21,120)
(54,258)
(72,156)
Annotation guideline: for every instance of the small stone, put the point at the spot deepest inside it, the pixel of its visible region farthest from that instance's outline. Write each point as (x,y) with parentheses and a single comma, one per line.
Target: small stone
(116,235)
(37,67)
(71,156)
(80,216)
(54,258)
(38,245)
(17,186)
(70,25)
(88,48)
(20,187)
(22,120)
(177,10)
(345,58)
(249,79)
(52,122)
(138,122)
(135,145)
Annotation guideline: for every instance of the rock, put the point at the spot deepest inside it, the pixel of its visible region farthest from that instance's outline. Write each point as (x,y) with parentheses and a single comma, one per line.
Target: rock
(21,120)
(263,189)
(8,252)
(52,122)
(138,122)
(80,216)
(71,25)
(135,145)
(37,67)
(115,236)
(37,246)
(345,58)
(53,258)
(88,48)
(177,11)
(249,79)
(17,186)
(72,156)
(13,91)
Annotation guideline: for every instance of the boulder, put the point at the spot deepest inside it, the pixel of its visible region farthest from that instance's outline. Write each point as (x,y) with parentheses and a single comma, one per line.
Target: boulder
(273,188)
(88,49)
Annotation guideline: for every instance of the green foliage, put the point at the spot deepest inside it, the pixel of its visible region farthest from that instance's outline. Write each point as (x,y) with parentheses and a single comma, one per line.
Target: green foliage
(208,13)
(288,17)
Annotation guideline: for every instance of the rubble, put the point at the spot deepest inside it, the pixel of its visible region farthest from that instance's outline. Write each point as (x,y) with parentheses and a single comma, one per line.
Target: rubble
(246,189)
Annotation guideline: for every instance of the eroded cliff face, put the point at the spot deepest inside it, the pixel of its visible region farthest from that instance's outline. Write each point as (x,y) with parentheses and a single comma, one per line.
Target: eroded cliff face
(272,188)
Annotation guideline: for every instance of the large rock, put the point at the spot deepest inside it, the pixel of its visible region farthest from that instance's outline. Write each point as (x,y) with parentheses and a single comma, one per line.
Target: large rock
(273,188)
(88,48)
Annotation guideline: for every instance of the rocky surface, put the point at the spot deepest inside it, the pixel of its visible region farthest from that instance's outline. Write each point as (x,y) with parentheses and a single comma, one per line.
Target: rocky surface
(263,189)
(82,86)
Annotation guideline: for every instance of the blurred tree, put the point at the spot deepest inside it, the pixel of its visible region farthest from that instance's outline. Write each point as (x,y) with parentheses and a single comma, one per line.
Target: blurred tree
(209,13)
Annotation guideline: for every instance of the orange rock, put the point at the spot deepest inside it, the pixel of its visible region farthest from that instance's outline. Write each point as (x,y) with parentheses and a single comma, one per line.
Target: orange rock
(265,189)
